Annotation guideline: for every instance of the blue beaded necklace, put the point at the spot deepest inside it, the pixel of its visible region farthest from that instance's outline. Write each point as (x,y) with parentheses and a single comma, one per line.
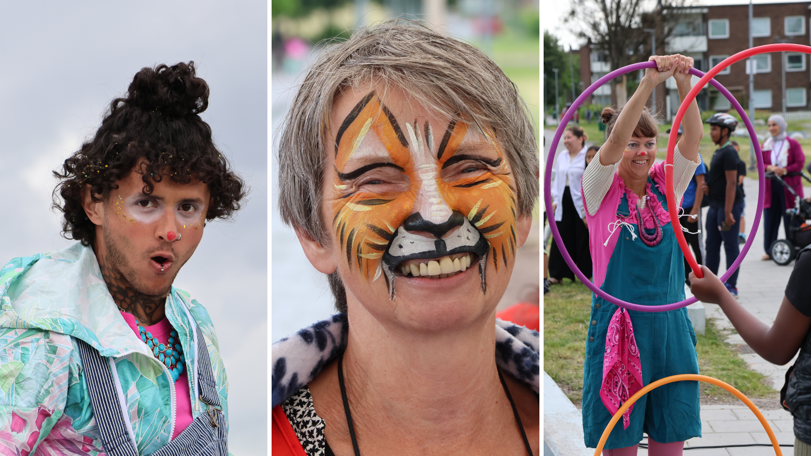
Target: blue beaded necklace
(170,354)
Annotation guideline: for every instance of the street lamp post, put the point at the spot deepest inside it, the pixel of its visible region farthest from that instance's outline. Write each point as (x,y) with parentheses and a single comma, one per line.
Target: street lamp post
(752,64)
(571,73)
(653,52)
(557,97)
(777,39)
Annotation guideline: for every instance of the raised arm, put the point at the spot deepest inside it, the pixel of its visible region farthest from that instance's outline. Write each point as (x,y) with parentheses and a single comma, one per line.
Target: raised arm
(693,128)
(628,119)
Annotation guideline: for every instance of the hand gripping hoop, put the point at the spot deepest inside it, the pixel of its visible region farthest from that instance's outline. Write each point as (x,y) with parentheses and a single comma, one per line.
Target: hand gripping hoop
(679,378)
(668,169)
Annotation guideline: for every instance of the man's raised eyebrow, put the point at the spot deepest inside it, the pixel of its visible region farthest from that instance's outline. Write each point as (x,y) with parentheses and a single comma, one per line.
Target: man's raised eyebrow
(363,169)
(494,162)
(143,195)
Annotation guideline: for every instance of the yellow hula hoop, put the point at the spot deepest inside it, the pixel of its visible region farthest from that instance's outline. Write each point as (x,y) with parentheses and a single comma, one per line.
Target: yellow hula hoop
(679,378)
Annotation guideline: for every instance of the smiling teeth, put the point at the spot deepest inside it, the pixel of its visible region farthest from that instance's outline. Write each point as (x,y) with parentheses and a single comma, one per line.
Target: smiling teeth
(441,268)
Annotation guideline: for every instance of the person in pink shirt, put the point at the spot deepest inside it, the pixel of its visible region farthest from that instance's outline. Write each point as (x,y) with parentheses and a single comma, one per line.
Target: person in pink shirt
(637,259)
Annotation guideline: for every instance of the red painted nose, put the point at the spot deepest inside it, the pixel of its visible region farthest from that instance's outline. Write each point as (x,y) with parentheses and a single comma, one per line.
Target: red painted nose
(643,153)
(171,235)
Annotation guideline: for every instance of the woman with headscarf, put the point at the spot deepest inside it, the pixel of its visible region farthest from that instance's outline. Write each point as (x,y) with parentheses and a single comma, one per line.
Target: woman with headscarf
(567,206)
(783,156)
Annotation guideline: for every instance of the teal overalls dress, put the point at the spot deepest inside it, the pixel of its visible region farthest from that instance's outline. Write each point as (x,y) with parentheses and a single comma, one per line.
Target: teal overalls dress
(645,275)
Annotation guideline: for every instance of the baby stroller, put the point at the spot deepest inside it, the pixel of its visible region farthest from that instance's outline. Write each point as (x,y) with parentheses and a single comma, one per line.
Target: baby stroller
(799,231)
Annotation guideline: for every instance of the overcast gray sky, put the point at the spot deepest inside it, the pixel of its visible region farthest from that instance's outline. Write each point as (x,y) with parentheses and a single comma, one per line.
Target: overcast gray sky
(61,64)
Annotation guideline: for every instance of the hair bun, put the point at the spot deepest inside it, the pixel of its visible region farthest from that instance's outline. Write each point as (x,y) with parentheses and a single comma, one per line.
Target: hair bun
(607,114)
(173,91)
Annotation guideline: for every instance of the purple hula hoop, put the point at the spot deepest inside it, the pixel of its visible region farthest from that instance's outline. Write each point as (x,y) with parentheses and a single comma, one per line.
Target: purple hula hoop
(548,187)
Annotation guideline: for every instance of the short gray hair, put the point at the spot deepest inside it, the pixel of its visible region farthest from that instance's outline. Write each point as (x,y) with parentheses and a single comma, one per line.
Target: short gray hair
(446,76)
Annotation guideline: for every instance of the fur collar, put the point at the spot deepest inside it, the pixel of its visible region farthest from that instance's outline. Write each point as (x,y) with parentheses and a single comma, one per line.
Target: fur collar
(299,358)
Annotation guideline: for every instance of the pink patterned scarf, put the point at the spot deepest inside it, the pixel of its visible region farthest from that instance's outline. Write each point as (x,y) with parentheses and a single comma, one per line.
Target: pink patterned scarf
(622,370)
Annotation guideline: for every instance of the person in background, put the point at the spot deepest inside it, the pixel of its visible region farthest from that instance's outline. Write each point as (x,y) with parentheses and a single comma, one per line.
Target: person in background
(547,233)
(784,157)
(567,207)
(590,153)
(741,176)
(726,203)
(691,216)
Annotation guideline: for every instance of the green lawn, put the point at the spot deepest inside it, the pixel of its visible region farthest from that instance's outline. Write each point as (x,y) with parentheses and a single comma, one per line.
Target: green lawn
(566,317)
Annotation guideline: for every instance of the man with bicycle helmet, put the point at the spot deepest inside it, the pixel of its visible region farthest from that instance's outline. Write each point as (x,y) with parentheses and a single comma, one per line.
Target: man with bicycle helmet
(725,198)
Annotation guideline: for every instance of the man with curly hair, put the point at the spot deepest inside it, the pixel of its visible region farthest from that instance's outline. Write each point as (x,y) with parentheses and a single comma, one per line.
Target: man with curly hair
(99,352)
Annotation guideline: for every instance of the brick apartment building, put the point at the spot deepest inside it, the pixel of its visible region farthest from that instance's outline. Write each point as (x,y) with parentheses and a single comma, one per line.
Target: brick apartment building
(709,34)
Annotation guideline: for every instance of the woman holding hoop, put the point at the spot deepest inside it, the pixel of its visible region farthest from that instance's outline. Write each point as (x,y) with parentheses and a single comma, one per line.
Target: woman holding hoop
(636,258)
(568,209)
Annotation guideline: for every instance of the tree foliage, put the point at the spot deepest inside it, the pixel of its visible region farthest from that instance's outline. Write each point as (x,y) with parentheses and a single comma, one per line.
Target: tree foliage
(555,56)
(298,8)
(618,26)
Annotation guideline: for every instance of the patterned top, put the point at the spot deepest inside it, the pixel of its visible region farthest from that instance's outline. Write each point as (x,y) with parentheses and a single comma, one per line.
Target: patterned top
(47,302)
(309,427)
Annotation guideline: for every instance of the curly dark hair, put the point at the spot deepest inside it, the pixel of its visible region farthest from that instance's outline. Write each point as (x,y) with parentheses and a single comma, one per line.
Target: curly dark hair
(157,120)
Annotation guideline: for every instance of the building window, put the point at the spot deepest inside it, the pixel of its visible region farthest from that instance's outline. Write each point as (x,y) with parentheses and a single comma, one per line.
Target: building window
(763,63)
(762,99)
(718,101)
(599,56)
(795,61)
(795,98)
(716,59)
(689,25)
(761,27)
(794,25)
(719,28)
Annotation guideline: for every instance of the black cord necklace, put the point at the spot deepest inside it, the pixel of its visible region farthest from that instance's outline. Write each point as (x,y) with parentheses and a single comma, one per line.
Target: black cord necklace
(352,426)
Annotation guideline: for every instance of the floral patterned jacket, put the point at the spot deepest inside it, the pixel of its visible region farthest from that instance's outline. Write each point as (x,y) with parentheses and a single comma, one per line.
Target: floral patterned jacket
(47,301)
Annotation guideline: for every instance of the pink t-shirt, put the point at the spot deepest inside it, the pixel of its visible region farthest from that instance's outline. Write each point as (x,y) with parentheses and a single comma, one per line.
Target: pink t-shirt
(161,330)
(605,228)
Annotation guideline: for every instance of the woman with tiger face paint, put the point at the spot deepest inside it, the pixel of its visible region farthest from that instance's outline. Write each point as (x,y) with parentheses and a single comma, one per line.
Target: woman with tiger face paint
(637,259)
(423,200)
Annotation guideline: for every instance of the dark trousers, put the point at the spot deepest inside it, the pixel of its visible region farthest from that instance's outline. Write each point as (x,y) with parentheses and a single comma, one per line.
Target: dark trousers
(575,237)
(773,215)
(729,238)
(692,238)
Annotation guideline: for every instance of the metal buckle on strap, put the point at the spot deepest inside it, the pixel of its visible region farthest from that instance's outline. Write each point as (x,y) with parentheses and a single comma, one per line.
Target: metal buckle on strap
(212,411)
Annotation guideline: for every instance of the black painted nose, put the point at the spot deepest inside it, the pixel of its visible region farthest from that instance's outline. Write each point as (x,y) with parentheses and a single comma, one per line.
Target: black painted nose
(415,222)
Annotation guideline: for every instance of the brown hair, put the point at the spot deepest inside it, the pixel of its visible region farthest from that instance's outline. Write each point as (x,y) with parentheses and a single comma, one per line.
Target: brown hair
(578,132)
(647,127)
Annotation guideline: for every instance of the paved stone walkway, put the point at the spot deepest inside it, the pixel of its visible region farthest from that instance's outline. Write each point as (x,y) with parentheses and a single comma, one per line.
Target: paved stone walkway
(733,425)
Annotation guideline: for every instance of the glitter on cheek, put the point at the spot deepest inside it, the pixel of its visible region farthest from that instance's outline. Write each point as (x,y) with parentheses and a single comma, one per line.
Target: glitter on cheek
(137,213)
